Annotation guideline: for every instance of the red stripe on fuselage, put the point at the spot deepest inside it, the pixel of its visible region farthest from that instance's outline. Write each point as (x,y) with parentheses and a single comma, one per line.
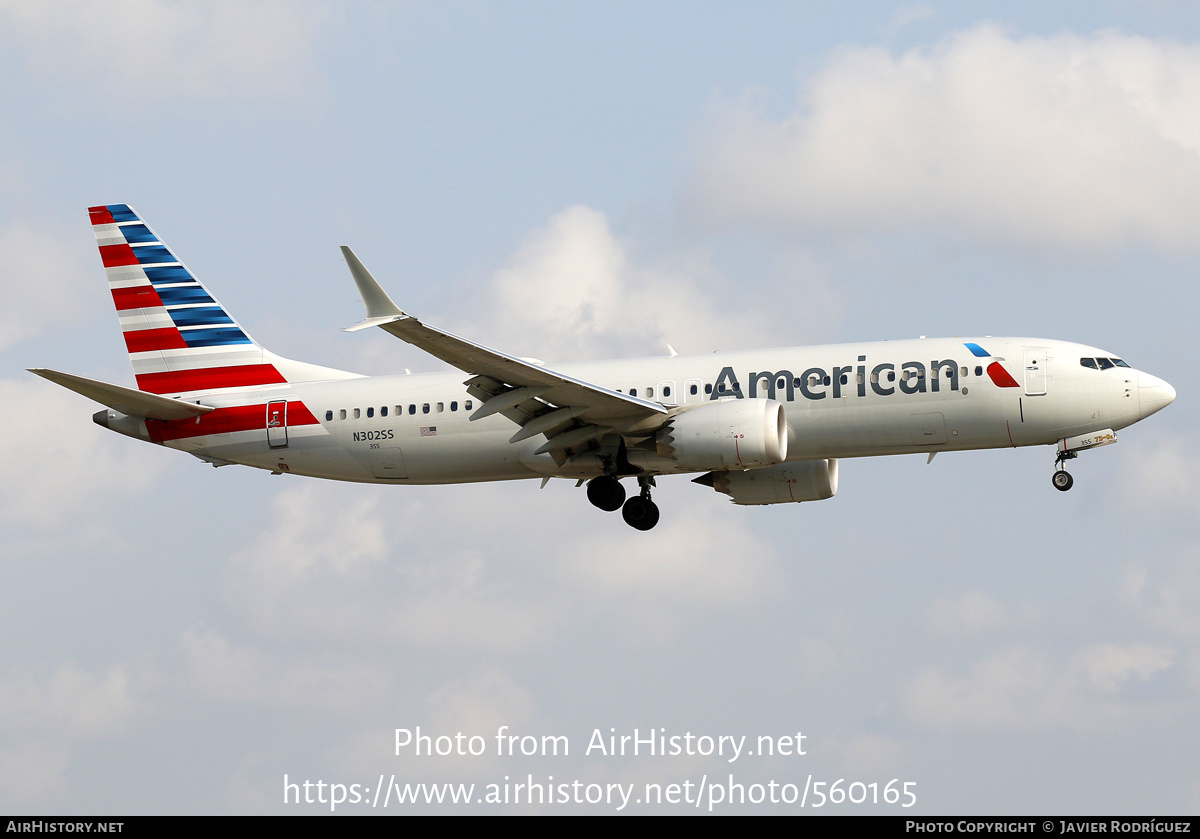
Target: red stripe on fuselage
(146,340)
(100,215)
(226,421)
(113,255)
(210,378)
(1000,376)
(136,297)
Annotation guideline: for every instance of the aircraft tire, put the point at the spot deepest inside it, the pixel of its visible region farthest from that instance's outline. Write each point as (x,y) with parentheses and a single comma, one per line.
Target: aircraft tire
(606,493)
(640,513)
(1063,480)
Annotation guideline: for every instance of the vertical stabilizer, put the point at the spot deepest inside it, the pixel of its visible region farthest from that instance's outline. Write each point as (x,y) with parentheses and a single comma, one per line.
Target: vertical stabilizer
(180,339)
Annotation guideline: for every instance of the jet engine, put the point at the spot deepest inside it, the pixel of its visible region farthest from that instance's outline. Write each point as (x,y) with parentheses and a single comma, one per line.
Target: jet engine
(803,480)
(730,434)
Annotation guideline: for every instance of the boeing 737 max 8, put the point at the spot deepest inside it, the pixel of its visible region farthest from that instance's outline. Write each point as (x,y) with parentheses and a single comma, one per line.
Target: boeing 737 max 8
(762,426)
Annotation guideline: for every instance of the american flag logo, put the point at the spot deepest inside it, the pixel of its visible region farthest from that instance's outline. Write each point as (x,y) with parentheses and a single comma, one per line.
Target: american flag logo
(428,430)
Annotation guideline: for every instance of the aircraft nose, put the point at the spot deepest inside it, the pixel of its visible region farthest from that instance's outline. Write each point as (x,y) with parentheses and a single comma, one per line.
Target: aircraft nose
(1153,394)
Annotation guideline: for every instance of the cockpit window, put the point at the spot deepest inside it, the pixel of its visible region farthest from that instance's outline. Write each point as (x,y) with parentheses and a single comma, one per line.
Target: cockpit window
(1088,362)
(1105,364)
(1118,362)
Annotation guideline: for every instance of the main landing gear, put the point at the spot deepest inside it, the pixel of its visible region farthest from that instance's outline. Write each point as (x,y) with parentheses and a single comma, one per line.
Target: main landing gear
(638,511)
(1062,479)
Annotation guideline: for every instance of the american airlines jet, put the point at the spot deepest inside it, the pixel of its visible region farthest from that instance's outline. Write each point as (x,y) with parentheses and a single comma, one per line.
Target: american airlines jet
(761,426)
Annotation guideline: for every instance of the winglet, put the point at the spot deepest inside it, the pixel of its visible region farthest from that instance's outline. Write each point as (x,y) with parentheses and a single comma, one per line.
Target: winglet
(380,308)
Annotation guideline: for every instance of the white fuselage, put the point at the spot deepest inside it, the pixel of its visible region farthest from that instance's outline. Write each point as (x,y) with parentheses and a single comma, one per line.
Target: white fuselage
(847,400)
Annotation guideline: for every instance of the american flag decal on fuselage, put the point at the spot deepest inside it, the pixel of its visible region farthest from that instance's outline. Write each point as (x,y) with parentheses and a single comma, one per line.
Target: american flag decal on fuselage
(179,338)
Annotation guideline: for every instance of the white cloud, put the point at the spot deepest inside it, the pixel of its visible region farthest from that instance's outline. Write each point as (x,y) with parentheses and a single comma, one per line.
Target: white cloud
(573,290)
(970,613)
(1161,479)
(43,285)
(1171,602)
(66,468)
(473,567)
(1075,140)
(227,672)
(122,51)
(1023,689)
(1108,666)
(42,716)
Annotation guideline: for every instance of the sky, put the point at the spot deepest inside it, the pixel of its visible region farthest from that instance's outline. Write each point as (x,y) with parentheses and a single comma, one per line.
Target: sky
(578,181)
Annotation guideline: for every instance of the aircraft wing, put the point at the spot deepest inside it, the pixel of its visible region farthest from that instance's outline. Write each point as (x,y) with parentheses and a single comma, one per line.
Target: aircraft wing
(134,403)
(571,412)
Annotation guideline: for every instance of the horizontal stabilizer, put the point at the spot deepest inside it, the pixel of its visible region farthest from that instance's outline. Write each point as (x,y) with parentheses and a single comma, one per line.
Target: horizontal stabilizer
(134,403)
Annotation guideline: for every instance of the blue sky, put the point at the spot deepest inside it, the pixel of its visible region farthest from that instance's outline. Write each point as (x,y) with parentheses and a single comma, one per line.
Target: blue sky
(574,181)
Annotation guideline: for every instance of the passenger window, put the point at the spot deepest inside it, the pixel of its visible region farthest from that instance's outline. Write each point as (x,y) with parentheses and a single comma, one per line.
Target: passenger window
(1088,362)
(708,388)
(721,387)
(425,408)
(412,409)
(845,378)
(370,412)
(693,390)
(666,391)
(891,375)
(467,405)
(342,413)
(453,406)
(329,416)
(813,381)
(649,393)
(633,391)
(978,371)
(825,381)
(441,406)
(383,411)
(963,372)
(357,413)
(781,383)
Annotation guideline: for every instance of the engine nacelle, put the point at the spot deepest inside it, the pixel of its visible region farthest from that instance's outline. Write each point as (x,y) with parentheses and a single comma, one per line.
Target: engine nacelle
(730,434)
(804,480)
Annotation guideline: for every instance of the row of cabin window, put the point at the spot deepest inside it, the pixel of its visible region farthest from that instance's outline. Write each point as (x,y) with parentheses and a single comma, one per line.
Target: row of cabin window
(356,413)
(814,381)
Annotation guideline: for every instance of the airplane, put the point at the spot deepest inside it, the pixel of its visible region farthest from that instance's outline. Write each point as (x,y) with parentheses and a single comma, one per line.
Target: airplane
(761,426)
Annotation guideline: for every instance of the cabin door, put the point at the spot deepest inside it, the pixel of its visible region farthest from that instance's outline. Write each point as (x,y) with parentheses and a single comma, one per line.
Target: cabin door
(277,424)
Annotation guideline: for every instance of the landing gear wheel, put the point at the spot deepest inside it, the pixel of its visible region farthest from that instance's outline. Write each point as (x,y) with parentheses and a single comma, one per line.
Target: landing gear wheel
(1062,480)
(640,513)
(606,493)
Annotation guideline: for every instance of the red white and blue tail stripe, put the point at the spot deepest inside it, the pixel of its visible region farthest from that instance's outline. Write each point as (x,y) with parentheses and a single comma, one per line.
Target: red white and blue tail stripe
(180,339)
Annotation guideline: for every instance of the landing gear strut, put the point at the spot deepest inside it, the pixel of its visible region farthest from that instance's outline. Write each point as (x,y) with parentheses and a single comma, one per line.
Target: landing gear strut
(639,511)
(1062,479)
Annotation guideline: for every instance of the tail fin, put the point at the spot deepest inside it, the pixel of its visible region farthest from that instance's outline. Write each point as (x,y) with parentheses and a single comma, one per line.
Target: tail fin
(180,339)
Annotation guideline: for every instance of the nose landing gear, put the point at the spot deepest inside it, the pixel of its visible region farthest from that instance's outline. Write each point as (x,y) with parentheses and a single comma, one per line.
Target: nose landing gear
(1062,479)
